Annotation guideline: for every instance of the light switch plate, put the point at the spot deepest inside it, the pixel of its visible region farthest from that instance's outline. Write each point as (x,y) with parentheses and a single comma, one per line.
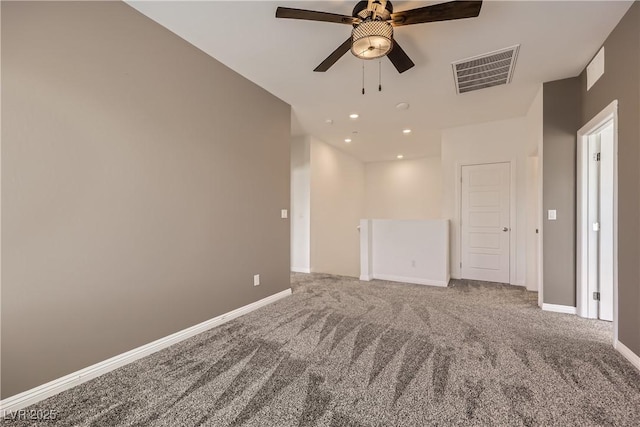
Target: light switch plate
(551,215)
(256,279)
(284,213)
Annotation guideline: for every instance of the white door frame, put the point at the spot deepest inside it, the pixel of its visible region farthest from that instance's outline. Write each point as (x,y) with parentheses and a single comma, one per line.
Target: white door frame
(540,222)
(512,213)
(582,227)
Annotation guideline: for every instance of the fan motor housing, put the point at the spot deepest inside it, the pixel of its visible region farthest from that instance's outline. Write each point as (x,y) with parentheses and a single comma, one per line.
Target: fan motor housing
(363,6)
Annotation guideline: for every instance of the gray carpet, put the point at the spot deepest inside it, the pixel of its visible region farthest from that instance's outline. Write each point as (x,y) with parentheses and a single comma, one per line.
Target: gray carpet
(340,352)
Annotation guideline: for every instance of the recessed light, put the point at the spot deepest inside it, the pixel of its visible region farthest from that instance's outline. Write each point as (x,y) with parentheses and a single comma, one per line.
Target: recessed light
(353,116)
(348,140)
(400,156)
(406,131)
(402,106)
(329,121)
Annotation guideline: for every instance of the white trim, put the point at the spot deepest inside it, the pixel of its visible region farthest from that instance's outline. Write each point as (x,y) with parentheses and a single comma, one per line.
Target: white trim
(366,249)
(29,397)
(0,223)
(412,280)
(541,207)
(582,298)
(457,271)
(556,308)
(300,270)
(628,354)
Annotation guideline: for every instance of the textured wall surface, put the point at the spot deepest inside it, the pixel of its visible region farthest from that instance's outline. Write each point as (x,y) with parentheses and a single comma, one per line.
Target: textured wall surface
(142,183)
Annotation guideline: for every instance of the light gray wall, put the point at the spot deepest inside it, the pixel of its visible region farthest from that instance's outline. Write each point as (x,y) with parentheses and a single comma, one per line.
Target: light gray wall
(621,81)
(337,205)
(142,183)
(561,121)
(410,189)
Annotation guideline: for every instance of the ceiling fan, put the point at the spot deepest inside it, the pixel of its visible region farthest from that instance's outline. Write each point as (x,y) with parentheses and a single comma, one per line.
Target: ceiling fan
(373,22)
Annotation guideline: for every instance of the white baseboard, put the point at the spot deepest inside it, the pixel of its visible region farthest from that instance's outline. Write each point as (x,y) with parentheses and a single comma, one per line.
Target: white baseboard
(412,280)
(300,270)
(365,277)
(628,354)
(567,309)
(29,397)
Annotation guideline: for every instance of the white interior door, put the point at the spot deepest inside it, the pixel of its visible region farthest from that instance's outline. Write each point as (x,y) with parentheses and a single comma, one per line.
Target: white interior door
(597,229)
(605,309)
(600,220)
(485,222)
(593,240)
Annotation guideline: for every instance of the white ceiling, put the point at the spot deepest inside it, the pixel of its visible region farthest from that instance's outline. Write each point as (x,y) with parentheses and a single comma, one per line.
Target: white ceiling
(557,41)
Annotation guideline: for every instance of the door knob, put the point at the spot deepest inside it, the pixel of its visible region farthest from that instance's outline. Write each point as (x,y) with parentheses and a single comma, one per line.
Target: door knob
(505,229)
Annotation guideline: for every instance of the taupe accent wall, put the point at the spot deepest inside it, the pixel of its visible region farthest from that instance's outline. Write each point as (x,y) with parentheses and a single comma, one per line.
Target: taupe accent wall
(621,81)
(567,107)
(142,183)
(561,118)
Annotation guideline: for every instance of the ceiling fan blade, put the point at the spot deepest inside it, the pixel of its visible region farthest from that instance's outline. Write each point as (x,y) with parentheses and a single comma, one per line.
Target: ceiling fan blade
(335,55)
(437,12)
(312,15)
(399,58)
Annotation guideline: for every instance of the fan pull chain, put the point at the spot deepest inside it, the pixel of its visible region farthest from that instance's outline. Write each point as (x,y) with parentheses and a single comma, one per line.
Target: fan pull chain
(379,75)
(363,77)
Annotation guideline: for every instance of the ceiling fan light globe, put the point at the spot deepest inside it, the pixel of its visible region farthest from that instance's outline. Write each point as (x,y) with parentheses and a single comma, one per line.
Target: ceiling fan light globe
(372,39)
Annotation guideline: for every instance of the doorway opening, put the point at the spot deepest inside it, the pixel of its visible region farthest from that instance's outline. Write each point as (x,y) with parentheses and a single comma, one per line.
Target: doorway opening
(597,227)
